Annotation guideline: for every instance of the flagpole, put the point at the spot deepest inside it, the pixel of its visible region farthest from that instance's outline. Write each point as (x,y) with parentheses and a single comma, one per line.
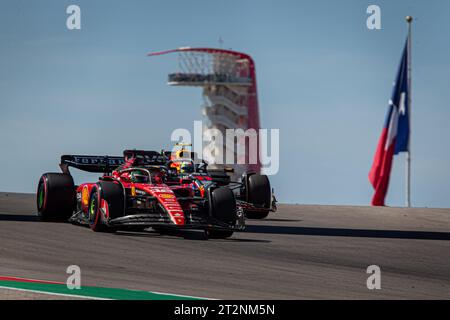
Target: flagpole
(409,20)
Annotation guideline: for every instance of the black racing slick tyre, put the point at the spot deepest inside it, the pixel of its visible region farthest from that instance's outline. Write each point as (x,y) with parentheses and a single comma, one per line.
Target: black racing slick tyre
(55,197)
(113,194)
(223,205)
(94,211)
(260,194)
(222,208)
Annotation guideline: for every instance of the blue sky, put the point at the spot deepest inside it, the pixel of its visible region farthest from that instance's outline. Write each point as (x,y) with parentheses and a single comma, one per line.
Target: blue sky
(324,80)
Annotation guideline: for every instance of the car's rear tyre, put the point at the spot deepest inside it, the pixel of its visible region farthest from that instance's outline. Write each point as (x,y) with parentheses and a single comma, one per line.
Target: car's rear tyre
(55,197)
(110,192)
(258,193)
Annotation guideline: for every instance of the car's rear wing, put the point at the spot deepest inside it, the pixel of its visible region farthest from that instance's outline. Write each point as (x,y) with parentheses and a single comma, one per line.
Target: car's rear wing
(99,164)
(144,157)
(106,164)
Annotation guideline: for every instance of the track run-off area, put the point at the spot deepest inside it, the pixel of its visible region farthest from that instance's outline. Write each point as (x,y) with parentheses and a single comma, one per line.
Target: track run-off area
(299,252)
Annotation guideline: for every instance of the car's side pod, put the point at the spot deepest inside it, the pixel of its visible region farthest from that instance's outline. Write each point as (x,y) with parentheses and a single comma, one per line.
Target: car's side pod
(220,177)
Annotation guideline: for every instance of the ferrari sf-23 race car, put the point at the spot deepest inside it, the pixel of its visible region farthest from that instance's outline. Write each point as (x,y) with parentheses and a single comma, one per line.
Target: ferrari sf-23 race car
(141,190)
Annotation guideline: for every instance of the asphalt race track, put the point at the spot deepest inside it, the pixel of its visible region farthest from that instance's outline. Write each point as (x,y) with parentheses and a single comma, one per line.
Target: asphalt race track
(300,252)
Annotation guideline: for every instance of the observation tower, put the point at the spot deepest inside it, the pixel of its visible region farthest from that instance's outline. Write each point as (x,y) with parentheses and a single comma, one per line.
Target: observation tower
(228,79)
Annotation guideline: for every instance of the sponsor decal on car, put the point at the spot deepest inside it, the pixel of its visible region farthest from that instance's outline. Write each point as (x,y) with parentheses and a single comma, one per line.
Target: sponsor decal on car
(85,196)
(167,196)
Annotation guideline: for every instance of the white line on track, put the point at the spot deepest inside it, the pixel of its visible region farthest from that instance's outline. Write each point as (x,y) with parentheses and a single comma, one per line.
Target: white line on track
(181,295)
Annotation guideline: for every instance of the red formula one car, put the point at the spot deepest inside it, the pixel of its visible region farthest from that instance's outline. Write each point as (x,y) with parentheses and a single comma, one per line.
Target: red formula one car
(136,191)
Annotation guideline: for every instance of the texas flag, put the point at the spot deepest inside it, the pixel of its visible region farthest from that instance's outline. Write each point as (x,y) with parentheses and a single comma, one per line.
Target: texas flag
(395,134)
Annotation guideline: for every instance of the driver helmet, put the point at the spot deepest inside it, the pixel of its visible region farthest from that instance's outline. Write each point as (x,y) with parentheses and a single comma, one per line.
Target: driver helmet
(138,176)
(186,167)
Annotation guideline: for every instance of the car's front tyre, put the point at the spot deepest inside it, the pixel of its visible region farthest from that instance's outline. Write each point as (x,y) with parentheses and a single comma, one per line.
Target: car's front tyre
(94,211)
(222,206)
(259,193)
(113,194)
